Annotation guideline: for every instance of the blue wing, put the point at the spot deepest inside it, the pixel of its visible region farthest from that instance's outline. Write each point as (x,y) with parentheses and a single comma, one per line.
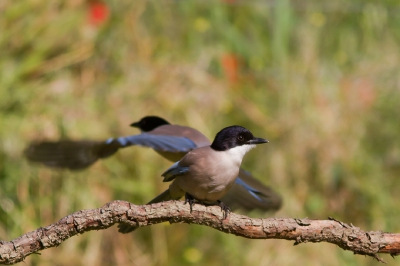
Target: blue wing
(157,142)
(174,171)
(250,189)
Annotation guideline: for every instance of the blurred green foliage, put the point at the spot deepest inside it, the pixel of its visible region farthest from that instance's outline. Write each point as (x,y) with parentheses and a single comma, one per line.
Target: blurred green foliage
(320,80)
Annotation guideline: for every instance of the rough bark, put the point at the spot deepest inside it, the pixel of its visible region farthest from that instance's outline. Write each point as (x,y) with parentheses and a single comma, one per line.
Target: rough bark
(346,236)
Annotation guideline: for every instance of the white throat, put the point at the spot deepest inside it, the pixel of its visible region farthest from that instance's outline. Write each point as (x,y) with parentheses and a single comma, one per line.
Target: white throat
(238,152)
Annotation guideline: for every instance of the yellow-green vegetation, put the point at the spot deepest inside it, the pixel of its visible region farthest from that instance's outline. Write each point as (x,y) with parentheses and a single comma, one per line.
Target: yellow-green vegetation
(320,80)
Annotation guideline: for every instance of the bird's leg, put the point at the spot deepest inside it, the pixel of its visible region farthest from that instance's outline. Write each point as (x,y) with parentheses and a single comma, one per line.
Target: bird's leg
(224,208)
(189,199)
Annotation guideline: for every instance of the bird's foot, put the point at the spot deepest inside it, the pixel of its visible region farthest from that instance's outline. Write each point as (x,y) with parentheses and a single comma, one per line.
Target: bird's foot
(189,199)
(224,208)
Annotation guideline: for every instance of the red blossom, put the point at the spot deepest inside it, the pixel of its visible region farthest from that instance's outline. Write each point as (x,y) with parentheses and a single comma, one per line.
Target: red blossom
(230,66)
(98,13)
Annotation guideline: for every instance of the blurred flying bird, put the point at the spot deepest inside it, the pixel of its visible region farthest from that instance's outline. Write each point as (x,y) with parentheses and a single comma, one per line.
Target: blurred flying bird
(170,141)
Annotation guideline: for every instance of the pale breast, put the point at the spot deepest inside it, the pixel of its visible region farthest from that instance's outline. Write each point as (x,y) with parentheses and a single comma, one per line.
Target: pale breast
(211,173)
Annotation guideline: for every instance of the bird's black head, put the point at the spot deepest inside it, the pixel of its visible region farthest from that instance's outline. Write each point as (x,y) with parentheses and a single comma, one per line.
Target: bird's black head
(149,123)
(233,136)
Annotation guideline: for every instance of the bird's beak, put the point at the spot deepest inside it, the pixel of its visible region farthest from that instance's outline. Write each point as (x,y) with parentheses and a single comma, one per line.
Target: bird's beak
(257,141)
(135,124)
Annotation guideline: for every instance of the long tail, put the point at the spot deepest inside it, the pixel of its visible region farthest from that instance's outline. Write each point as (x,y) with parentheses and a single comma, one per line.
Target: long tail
(69,154)
(127,228)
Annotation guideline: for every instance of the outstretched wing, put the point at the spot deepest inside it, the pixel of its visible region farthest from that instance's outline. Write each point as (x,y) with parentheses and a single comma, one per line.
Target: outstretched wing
(77,155)
(156,142)
(73,155)
(250,189)
(250,194)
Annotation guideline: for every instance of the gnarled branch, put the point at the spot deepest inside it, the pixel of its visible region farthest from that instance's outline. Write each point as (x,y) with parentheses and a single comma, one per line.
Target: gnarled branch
(343,235)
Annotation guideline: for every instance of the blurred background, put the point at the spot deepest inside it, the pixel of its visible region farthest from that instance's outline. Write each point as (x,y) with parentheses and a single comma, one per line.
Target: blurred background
(319,79)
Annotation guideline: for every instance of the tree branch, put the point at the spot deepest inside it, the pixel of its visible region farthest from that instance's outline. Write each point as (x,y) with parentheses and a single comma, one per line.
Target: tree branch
(332,231)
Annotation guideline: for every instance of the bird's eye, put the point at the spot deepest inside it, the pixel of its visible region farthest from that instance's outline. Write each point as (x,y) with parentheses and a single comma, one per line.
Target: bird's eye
(240,138)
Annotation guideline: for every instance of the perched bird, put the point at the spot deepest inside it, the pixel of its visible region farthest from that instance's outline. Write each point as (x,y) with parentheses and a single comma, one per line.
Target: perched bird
(170,141)
(206,174)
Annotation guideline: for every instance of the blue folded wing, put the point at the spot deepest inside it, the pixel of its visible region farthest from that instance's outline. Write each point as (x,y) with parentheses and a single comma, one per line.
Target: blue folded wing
(174,171)
(250,189)
(156,142)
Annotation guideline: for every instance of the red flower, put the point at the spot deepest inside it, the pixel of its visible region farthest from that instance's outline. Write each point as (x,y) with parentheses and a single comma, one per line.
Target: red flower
(98,13)
(230,66)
